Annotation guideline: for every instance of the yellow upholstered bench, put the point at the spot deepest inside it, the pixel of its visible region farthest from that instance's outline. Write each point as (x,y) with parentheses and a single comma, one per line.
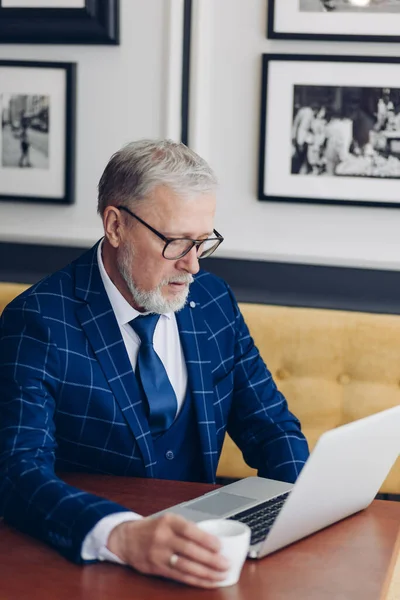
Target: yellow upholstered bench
(332,366)
(8,291)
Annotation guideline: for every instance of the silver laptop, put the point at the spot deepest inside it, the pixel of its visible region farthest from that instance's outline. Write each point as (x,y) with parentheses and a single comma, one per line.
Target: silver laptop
(342,476)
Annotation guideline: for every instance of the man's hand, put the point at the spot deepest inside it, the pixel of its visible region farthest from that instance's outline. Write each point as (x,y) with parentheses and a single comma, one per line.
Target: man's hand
(148,544)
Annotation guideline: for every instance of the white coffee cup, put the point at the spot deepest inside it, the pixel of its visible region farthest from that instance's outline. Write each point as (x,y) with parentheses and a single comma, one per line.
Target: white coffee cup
(235,541)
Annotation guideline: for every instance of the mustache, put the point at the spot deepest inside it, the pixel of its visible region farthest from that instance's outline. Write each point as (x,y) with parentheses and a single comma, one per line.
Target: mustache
(184,278)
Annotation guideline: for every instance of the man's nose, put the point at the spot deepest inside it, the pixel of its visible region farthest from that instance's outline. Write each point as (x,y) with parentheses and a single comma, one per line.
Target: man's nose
(190,262)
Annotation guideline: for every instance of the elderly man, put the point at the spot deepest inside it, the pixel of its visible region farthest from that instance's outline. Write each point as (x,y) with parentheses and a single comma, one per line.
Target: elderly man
(132,361)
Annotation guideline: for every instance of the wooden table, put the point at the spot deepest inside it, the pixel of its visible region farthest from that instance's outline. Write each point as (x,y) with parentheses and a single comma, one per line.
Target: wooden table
(351,560)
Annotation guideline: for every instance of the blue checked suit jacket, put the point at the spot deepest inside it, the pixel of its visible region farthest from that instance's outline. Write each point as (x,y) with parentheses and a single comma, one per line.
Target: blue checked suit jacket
(69,401)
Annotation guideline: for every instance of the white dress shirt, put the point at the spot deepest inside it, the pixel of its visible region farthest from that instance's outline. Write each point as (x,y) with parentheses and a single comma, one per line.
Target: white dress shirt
(168,347)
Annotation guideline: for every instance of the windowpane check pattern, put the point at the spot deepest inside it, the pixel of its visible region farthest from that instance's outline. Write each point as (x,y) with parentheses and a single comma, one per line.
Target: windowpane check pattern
(70,401)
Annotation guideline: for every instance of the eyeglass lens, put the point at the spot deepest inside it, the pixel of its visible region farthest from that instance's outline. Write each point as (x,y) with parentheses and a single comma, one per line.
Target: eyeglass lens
(178,248)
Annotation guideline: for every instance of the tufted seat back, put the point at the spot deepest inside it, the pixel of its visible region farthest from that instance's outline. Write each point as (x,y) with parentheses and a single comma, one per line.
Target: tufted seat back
(332,366)
(8,291)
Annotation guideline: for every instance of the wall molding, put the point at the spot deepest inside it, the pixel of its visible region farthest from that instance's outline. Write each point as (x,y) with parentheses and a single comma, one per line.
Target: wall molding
(186,57)
(266,282)
(201,58)
(28,263)
(173,74)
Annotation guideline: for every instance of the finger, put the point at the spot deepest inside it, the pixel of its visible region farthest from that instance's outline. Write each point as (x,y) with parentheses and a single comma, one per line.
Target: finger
(190,531)
(193,581)
(189,568)
(198,554)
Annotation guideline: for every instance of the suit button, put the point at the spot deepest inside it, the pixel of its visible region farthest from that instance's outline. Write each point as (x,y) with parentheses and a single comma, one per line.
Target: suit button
(169,455)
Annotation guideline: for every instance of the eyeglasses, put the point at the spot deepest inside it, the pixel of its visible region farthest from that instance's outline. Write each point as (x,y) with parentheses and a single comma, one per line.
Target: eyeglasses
(176,248)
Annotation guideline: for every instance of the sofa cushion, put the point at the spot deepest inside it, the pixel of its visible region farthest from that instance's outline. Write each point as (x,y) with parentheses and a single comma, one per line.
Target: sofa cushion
(8,291)
(332,366)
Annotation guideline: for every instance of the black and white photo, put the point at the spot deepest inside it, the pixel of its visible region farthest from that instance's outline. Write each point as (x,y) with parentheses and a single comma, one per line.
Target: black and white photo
(37,108)
(350,6)
(346,131)
(25,130)
(324,139)
(337,20)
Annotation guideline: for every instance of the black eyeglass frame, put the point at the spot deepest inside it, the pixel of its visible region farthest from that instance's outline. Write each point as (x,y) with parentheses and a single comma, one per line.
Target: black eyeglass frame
(219,238)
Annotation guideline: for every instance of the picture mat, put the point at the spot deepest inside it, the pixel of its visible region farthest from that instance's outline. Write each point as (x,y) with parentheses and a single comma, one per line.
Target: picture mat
(49,183)
(43,4)
(278,180)
(345,6)
(289,19)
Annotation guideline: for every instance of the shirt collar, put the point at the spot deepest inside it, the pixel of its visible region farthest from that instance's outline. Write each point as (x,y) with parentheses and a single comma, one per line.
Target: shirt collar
(124,312)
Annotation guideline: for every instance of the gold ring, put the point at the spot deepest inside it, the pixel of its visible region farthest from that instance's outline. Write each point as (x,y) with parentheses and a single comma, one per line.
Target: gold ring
(173,559)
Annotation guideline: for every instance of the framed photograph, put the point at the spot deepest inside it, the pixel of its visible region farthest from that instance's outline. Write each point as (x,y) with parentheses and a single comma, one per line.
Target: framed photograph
(337,20)
(59,21)
(37,136)
(330,130)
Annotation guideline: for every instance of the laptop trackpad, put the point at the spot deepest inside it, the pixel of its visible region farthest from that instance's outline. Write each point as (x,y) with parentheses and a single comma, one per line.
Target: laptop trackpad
(221,504)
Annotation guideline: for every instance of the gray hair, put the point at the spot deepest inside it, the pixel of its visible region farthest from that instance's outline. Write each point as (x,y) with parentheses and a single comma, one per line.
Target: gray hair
(134,171)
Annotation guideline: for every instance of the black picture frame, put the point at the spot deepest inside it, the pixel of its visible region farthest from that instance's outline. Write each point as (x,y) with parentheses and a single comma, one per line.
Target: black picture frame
(277,179)
(50,132)
(338,35)
(96,23)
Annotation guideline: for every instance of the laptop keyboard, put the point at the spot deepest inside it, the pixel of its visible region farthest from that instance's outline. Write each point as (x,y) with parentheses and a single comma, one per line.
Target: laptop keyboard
(260,518)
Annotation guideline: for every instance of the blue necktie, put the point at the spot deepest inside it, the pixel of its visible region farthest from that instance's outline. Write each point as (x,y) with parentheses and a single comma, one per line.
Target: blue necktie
(152,377)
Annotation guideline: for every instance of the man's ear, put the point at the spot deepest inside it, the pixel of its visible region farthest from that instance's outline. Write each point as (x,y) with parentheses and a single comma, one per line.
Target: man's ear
(112,223)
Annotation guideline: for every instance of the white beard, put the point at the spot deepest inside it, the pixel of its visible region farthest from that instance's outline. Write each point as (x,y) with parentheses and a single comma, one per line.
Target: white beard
(151,301)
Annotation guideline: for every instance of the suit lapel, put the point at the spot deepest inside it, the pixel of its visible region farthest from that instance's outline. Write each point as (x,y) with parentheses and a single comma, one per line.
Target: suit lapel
(194,339)
(101,328)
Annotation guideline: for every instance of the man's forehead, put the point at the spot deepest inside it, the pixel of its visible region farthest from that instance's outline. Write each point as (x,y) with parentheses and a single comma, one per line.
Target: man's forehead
(176,216)
(162,194)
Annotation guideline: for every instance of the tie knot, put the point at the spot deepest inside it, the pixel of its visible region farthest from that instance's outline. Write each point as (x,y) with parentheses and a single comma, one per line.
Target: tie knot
(144,327)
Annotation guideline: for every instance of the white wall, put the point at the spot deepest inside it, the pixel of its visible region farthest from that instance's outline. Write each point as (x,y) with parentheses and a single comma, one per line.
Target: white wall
(123,93)
(133,90)
(228,41)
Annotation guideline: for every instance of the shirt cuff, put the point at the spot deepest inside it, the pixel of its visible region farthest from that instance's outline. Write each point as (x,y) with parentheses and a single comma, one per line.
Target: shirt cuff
(94,545)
